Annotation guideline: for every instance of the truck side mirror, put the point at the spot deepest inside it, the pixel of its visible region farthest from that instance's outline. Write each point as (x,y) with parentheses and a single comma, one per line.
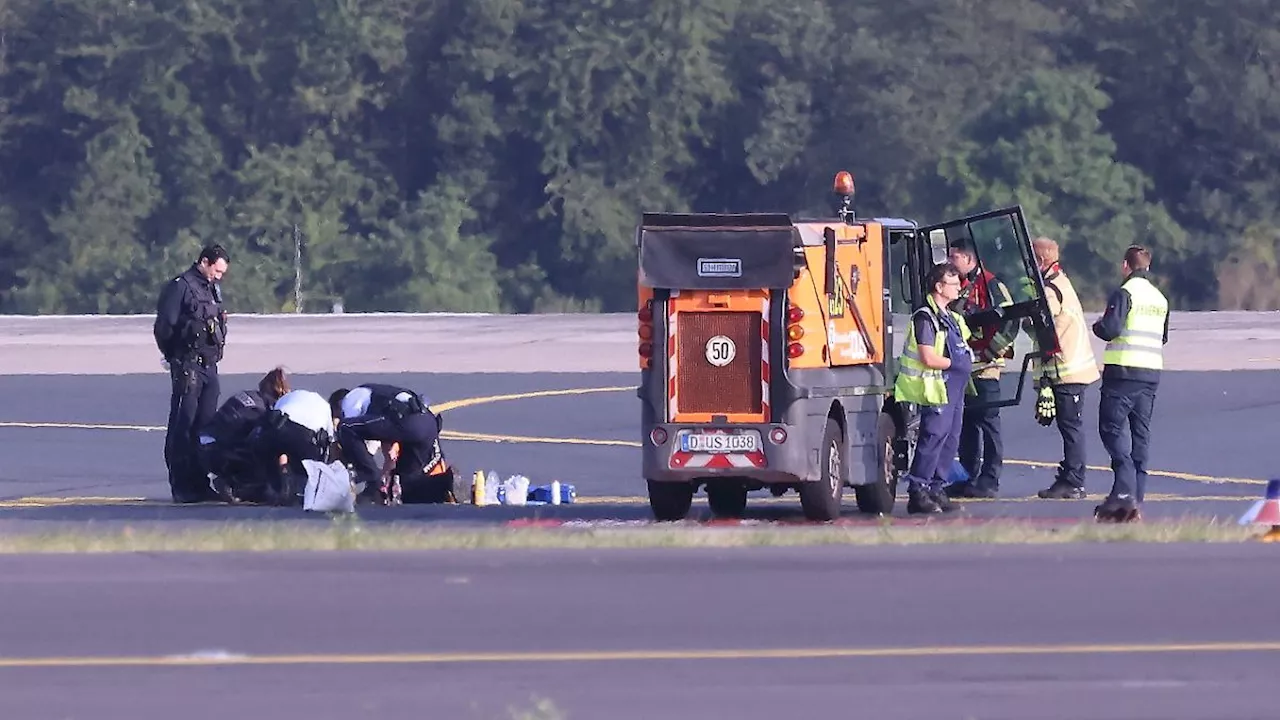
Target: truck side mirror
(938,245)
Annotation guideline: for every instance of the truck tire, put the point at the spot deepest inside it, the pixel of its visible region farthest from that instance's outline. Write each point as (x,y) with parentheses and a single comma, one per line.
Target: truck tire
(877,498)
(727,498)
(820,500)
(670,501)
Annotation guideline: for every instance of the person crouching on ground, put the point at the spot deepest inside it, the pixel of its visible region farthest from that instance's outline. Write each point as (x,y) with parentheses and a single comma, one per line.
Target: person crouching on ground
(409,432)
(225,442)
(298,428)
(933,373)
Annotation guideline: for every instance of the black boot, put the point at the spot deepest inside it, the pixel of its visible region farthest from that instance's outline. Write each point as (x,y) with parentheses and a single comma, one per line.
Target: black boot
(921,502)
(1061,490)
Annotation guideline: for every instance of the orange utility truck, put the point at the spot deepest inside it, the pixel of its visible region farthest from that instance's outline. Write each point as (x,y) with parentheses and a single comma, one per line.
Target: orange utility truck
(767,349)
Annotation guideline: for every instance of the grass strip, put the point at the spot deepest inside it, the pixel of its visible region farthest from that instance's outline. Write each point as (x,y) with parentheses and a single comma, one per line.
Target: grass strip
(351,534)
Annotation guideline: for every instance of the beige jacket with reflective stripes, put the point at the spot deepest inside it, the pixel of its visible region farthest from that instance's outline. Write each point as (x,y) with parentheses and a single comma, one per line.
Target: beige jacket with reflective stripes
(1076,362)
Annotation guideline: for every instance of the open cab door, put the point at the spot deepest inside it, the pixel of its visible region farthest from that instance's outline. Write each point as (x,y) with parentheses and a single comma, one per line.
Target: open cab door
(1003,248)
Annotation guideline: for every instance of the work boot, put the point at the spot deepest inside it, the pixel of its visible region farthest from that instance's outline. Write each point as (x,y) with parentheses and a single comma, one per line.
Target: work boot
(919,502)
(1115,510)
(943,502)
(970,491)
(1061,490)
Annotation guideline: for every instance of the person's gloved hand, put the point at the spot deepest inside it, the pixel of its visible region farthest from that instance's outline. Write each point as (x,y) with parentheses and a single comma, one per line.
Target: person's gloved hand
(1046,409)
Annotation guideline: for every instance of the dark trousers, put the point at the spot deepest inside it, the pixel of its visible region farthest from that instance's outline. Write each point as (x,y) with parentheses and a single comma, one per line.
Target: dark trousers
(192,404)
(416,434)
(1068,400)
(981,432)
(937,443)
(1124,422)
(269,483)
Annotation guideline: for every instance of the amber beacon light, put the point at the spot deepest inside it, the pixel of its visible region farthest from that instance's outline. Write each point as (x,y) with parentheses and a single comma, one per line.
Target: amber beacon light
(844,183)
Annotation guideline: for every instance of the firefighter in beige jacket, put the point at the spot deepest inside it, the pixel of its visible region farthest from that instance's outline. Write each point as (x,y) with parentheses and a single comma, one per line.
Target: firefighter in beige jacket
(1069,373)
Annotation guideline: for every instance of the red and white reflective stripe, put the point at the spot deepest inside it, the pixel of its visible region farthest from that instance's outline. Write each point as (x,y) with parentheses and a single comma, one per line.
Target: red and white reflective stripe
(716,461)
(671,366)
(764,358)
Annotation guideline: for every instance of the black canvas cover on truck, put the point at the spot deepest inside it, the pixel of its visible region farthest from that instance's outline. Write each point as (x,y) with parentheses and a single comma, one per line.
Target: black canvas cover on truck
(717,252)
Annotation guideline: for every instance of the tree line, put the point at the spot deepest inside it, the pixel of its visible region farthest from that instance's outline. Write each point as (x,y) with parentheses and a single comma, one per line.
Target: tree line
(495,155)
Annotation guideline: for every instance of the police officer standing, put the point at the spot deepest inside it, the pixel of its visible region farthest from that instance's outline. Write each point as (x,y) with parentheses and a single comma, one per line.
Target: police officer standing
(190,332)
(933,373)
(1136,328)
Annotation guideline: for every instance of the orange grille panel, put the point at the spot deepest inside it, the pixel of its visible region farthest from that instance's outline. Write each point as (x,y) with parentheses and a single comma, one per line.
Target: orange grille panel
(705,388)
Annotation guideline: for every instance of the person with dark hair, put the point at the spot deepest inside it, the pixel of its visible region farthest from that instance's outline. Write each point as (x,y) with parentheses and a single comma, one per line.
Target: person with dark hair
(933,373)
(226,448)
(981,443)
(409,432)
(1136,328)
(190,332)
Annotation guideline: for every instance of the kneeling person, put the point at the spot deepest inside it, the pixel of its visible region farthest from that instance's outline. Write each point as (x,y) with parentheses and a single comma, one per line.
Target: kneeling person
(298,428)
(225,448)
(409,432)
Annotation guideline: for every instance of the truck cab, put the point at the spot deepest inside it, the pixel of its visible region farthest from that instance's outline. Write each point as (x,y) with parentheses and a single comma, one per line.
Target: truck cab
(768,349)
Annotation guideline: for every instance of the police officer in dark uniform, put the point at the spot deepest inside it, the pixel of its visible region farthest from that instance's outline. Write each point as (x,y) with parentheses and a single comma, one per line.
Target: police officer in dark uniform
(226,442)
(391,414)
(190,332)
(297,429)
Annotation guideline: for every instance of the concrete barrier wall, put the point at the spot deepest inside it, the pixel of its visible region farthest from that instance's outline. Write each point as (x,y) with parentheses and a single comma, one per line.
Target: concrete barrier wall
(457,343)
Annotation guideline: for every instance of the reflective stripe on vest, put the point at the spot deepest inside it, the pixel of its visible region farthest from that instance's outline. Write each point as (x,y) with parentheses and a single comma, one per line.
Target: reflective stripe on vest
(1141,342)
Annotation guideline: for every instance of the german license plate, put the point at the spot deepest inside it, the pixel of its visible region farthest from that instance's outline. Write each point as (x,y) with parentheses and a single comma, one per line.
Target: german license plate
(719,443)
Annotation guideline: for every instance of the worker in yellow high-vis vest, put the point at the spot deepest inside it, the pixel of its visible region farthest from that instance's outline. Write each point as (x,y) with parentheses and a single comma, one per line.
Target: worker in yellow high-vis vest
(1136,328)
(1068,374)
(934,374)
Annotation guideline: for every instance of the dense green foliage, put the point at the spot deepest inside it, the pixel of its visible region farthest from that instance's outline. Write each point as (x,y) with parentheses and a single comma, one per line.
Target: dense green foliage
(494,155)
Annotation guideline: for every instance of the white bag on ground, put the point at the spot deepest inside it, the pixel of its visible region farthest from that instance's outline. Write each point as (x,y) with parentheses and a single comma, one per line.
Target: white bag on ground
(328,488)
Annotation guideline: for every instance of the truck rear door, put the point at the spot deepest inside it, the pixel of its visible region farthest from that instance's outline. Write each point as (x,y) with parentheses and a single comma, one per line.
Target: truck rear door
(1003,248)
(717,282)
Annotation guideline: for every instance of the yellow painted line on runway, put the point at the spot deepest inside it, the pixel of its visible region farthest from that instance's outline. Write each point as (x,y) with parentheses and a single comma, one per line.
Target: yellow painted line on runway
(465,436)
(81,426)
(485,437)
(200,660)
(485,400)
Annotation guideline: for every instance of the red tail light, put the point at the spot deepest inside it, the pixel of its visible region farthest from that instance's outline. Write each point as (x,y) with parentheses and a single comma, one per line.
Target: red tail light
(645,330)
(795,350)
(794,314)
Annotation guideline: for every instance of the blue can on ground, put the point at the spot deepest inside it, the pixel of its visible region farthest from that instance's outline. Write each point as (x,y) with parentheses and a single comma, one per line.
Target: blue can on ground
(542,494)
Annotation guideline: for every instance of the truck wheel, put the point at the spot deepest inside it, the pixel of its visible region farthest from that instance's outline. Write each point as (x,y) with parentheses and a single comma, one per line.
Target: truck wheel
(670,500)
(821,500)
(877,498)
(727,498)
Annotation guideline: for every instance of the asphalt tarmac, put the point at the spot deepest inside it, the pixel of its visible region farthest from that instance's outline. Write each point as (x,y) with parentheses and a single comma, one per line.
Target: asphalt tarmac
(939,632)
(92,441)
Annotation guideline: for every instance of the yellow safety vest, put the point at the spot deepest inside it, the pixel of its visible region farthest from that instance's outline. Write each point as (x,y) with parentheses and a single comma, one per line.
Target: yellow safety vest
(916,383)
(1141,342)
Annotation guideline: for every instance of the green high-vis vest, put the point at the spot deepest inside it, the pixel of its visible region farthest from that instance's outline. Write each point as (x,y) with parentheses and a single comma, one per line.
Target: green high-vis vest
(916,383)
(1141,342)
